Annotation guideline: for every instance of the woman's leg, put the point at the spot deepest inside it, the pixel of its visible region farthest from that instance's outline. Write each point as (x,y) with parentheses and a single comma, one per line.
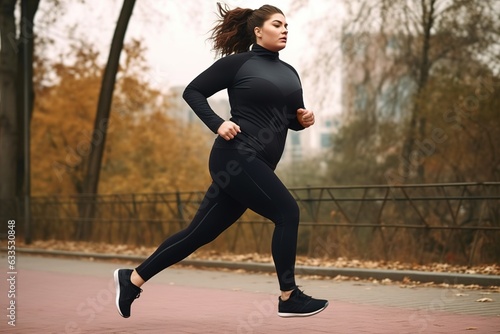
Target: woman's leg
(217,212)
(240,182)
(254,184)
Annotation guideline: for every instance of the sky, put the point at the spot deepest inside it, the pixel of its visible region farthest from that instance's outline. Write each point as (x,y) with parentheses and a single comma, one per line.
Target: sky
(176,31)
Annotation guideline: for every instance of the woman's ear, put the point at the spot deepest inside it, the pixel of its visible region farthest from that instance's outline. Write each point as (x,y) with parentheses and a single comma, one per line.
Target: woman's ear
(257,31)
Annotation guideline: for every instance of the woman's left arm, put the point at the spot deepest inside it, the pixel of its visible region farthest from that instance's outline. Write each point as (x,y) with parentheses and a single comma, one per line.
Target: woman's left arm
(301,118)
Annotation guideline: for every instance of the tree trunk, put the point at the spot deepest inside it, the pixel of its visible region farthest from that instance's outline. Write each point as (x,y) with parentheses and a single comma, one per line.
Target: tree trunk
(417,122)
(8,117)
(87,209)
(25,45)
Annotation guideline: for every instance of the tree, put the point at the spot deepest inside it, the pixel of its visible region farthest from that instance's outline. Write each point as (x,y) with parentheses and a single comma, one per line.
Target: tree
(392,51)
(428,36)
(17,46)
(105,100)
(146,150)
(24,86)
(463,126)
(62,120)
(102,116)
(8,118)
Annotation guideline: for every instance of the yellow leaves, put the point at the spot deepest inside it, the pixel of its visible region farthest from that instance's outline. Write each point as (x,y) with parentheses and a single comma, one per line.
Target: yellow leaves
(61,129)
(145,149)
(152,153)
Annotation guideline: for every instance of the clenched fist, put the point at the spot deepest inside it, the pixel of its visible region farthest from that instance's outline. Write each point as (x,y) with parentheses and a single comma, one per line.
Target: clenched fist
(305,117)
(228,130)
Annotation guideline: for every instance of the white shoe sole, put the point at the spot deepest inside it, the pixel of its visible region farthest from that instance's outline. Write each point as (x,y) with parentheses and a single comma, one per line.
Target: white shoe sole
(294,315)
(117,287)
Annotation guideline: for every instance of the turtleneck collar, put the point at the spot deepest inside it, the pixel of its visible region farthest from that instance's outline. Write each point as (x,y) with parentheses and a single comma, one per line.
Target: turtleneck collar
(261,51)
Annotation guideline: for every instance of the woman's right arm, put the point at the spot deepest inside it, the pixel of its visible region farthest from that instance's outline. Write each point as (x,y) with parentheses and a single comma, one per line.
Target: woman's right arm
(217,77)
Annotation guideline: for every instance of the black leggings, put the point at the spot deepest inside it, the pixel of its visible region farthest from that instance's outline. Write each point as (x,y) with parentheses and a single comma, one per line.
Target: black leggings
(240,181)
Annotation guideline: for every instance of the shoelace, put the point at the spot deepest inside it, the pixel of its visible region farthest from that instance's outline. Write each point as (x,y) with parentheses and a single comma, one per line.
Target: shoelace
(299,295)
(302,295)
(132,297)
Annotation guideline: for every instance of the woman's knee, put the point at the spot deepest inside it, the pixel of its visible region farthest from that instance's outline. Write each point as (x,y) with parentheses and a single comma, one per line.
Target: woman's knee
(289,214)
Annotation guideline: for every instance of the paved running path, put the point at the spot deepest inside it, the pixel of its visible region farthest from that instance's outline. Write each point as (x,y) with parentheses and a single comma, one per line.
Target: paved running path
(77,296)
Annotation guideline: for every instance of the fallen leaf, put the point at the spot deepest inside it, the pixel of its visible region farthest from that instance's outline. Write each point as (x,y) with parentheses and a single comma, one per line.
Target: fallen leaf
(461,294)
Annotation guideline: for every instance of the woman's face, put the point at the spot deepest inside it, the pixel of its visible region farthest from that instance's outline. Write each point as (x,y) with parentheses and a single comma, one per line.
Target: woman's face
(273,33)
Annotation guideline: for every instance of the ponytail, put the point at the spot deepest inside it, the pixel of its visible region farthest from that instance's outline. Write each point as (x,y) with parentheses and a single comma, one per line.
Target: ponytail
(234,31)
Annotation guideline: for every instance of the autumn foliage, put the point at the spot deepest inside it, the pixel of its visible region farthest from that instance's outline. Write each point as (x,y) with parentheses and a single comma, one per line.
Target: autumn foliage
(147,150)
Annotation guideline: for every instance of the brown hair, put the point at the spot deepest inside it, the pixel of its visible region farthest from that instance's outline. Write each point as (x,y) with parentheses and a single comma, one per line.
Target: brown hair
(234,31)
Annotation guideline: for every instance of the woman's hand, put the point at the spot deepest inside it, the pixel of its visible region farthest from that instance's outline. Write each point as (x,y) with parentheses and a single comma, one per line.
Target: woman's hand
(228,130)
(305,117)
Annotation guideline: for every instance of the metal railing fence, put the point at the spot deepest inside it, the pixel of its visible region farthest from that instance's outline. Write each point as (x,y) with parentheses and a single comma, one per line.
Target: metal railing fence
(454,223)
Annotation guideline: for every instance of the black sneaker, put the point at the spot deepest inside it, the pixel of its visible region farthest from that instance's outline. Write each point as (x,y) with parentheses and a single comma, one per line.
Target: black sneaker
(126,291)
(300,305)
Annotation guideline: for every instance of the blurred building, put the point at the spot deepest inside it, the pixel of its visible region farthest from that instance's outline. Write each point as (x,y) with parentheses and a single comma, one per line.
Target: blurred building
(375,85)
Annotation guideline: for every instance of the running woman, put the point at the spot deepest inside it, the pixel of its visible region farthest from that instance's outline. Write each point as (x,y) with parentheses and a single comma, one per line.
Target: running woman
(265,96)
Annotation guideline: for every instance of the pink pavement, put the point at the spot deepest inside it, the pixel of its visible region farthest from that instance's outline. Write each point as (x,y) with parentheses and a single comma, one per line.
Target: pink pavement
(62,302)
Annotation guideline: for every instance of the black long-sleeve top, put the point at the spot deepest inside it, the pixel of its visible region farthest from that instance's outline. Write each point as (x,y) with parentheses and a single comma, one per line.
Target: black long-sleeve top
(264,95)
